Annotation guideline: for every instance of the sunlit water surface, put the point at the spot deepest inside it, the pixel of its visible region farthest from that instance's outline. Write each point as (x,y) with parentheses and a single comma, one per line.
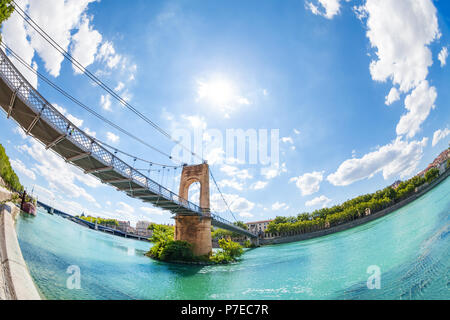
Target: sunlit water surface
(410,246)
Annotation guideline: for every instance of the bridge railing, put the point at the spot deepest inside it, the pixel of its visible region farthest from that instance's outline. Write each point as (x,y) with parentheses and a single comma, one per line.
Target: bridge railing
(60,123)
(45,110)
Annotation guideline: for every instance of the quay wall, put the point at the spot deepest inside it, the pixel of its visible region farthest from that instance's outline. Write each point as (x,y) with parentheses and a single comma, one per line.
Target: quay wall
(16,282)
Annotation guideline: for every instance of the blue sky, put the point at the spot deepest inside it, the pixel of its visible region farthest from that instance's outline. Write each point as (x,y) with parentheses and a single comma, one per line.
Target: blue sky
(319,71)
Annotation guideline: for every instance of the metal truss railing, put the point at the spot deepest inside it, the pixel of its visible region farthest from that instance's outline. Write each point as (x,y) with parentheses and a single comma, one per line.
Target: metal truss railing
(40,106)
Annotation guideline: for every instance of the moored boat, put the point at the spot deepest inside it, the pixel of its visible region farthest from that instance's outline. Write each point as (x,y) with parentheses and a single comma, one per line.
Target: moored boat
(29,208)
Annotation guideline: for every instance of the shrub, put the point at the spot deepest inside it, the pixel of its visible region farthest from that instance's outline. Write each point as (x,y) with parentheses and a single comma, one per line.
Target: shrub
(176,251)
(247,244)
(229,252)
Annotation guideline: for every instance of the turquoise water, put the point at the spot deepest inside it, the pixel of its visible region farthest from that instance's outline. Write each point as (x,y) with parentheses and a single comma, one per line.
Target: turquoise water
(410,246)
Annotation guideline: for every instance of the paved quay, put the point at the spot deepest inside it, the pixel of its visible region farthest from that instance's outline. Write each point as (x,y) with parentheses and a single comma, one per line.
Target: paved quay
(15,280)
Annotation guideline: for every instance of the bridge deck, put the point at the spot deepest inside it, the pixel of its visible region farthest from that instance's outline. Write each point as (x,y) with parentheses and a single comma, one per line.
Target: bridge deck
(45,123)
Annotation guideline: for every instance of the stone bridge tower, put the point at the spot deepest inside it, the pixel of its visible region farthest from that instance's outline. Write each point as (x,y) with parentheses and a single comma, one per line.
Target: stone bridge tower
(193,228)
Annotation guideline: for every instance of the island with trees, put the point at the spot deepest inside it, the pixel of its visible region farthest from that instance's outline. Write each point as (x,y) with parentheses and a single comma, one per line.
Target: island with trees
(165,248)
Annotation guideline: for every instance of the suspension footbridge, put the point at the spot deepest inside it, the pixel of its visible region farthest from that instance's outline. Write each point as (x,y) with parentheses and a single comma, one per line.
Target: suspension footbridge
(41,120)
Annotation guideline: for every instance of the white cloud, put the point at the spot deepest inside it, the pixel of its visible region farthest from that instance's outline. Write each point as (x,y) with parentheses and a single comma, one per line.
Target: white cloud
(439,135)
(90,132)
(234,184)
(325,8)
(246,215)
(85,44)
(57,18)
(237,203)
(287,140)
(76,121)
(394,95)
(397,158)
(235,172)
(20,132)
(309,183)
(20,167)
(401,32)
(195,122)
(220,93)
(443,56)
(61,176)
(152,211)
(44,194)
(419,104)
(105,102)
(259,185)
(215,155)
(279,206)
(296,131)
(107,53)
(273,171)
(243,101)
(112,137)
(322,201)
(15,36)
(120,86)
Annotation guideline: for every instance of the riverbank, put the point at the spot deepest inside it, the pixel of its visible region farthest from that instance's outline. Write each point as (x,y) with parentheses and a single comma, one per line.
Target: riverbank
(15,280)
(410,247)
(357,222)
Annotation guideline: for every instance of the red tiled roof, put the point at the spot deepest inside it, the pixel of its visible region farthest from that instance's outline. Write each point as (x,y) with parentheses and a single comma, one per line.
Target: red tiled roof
(257,222)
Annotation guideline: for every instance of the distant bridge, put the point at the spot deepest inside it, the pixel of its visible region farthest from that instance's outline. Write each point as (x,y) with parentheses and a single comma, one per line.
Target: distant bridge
(89,224)
(45,123)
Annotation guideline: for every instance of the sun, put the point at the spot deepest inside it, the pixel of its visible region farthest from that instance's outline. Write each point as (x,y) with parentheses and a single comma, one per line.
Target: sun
(219,92)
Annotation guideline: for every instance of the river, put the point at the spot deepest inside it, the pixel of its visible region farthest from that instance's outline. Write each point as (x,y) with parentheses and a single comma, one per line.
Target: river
(410,247)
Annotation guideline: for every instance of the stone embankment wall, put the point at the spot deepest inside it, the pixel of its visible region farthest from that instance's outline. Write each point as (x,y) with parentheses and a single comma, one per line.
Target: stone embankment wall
(15,280)
(357,222)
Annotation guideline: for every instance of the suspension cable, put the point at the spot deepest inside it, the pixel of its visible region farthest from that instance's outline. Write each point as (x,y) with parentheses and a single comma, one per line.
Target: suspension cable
(85,107)
(134,157)
(94,78)
(221,194)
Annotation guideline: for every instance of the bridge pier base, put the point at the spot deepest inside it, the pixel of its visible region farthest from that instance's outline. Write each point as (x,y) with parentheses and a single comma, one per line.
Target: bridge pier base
(195,230)
(255,241)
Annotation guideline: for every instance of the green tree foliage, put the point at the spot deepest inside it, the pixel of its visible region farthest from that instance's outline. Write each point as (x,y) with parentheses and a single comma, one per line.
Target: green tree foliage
(230,251)
(104,222)
(223,234)
(6,8)
(161,233)
(431,175)
(349,210)
(165,248)
(176,251)
(7,173)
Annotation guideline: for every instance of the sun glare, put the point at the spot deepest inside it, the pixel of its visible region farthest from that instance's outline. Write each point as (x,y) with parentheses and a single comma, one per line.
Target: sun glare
(217,92)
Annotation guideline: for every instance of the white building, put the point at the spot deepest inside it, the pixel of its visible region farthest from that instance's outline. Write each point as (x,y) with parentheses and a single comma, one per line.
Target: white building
(142,228)
(258,226)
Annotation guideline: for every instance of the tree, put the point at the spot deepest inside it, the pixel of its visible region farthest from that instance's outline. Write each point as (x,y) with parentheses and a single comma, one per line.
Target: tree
(7,173)
(241,224)
(6,8)
(230,251)
(431,174)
